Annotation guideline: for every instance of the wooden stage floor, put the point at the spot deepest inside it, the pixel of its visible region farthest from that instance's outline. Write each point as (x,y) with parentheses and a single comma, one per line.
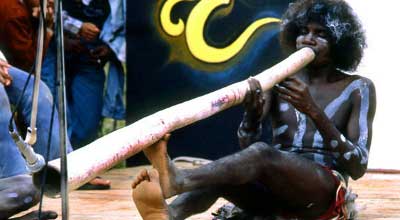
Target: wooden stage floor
(379,196)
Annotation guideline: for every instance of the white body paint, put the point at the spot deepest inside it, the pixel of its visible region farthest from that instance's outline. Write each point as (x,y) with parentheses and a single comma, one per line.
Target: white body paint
(282,129)
(334,143)
(284,107)
(12,195)
(333,107)
(301,129)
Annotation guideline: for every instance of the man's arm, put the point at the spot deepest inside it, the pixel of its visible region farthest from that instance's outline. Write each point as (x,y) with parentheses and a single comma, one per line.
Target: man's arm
(20,39)
(71,24)
(353,147)
(256,104)
(86,30)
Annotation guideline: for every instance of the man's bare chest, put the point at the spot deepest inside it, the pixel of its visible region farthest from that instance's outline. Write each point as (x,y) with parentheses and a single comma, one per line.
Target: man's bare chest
(297,128)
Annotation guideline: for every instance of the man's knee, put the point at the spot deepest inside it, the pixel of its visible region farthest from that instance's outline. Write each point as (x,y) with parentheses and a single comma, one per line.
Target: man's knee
(21,193)
(45,95)
(265,151)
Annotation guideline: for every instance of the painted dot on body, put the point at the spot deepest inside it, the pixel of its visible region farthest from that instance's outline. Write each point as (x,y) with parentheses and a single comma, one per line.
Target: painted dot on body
(284,107)
(347,155)
(28,200)
(334,143)
(12,195)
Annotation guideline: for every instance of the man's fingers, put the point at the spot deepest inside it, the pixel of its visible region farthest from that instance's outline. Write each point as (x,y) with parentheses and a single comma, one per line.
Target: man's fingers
(5,78)
(254,86)
(92,33)
(295,81)
(255,83)
(287,98)
(284,90)
(5,71)
(4,64)
(2,80)
(290,85)
(92,29)
(254,94)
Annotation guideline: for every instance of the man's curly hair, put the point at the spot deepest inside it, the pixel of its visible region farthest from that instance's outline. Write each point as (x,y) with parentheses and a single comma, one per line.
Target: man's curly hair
(346,36)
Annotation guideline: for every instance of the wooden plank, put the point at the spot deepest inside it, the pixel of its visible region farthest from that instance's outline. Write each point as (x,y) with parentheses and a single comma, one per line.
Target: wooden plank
(378,195)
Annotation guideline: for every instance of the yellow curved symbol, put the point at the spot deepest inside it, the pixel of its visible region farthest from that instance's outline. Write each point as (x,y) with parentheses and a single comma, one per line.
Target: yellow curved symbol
(165,19)
(195,30)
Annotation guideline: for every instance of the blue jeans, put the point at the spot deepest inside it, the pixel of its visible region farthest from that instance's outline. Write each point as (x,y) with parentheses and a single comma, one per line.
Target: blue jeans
(85,85)
(113,106)
(11,161)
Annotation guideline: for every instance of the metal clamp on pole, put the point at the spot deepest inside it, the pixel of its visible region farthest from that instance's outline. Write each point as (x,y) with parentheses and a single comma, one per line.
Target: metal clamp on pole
(31,135)
(35,162)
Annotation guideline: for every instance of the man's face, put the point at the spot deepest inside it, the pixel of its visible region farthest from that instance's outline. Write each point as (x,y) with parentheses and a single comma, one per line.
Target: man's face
(316,37)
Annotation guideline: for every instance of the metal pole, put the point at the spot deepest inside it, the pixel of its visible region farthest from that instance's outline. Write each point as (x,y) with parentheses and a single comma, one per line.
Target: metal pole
(31,134)
(62,108)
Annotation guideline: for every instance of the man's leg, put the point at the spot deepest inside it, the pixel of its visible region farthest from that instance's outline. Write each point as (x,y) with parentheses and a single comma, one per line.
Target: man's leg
(253,198)
(84,109)
(17,194)
(49,71)
(149,200)
(299,185)
(11,161)
(45,105)
(85,103)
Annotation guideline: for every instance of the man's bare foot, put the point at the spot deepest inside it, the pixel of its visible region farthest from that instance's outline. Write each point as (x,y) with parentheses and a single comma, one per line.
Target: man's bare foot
(158,156)
(148,197)
(45,215)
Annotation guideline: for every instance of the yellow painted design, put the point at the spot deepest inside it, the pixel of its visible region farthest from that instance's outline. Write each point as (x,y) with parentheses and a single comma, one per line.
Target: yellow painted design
(195,38)
(195,26)
(165,19)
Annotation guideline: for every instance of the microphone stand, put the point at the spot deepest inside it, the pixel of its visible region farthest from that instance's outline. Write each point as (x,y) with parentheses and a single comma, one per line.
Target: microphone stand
(62,106)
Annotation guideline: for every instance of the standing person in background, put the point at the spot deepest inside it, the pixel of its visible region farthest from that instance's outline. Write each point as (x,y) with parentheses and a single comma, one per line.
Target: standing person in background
(95,34)
(85,56)
(18,27)
(113,34)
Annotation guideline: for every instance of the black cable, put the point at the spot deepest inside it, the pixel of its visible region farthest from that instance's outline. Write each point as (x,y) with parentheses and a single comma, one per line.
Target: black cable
(18,104)
(42,183)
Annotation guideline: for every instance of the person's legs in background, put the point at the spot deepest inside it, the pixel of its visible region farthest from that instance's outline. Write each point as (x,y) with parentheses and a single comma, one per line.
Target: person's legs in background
(49,69)
(85,102)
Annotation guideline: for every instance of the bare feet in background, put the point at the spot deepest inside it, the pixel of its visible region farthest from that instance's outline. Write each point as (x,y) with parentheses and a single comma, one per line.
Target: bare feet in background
(148,196)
